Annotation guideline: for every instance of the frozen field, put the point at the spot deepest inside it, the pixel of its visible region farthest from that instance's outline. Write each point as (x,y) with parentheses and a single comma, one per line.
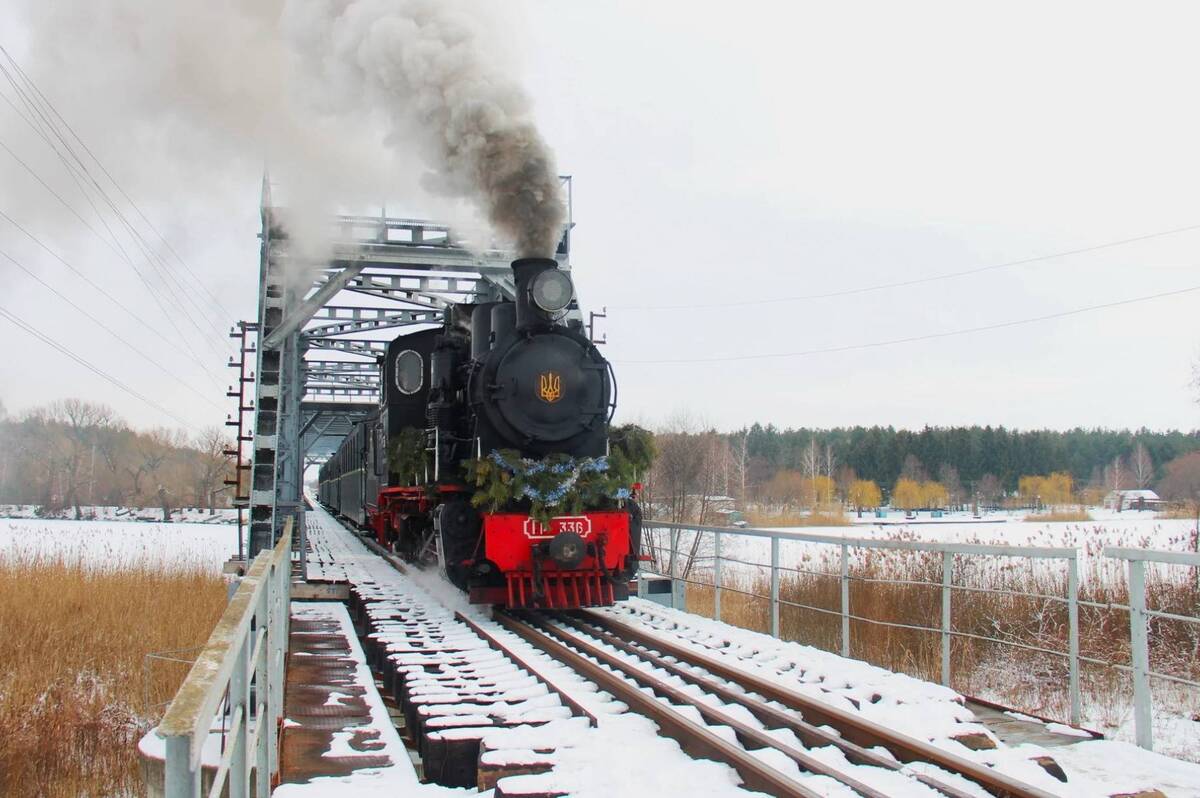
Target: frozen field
(1128,529)
(193,515)
(119,544)
(1107,528)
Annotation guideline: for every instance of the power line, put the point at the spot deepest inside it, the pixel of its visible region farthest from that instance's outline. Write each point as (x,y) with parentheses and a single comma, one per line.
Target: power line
(199,283)
(41,111)
(926,337)
(114,245)
(49,106)
(90,367)
(109,330)
(918,280)
(98,288)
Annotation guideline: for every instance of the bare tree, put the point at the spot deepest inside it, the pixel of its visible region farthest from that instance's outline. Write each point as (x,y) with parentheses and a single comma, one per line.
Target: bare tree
(1114,478)
(948,476)
(150,452)
(913,469)
(828,462)
(80,421)
(212,466)
(810,466)
(690,469)
(989,489)
(739,453)
(1141,465)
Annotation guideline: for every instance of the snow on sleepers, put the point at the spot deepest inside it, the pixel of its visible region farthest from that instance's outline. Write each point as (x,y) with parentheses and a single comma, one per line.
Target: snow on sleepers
(412,633)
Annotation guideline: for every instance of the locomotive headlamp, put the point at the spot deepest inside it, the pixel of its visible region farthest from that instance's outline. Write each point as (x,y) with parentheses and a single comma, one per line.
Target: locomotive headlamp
(551,291)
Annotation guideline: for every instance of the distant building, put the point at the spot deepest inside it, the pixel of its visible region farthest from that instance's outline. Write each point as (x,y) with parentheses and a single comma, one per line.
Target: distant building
(1133,500)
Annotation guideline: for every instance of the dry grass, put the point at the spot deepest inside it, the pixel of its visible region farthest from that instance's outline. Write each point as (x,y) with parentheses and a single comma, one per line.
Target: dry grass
(763,519)
(1178,513)
(1033,681)
(1061,514)
(73,694)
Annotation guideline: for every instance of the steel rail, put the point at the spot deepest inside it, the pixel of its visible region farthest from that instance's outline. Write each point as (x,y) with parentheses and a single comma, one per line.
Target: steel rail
(694,738)
(713,715)
(851,726)
(774,718)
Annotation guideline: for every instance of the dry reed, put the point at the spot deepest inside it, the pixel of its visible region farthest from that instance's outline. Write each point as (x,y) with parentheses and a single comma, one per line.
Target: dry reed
(1060,515)
(1033,681)
(74,697)
(763,519)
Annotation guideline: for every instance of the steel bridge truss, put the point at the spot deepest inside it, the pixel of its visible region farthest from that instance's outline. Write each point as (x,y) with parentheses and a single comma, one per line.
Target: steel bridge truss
(323,328)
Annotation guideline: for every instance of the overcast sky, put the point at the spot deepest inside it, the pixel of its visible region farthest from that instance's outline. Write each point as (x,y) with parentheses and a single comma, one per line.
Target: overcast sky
(727,159)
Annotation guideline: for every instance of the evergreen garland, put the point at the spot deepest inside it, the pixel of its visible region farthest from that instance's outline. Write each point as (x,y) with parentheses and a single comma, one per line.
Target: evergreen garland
(406,456)
(631,449)
(553,486)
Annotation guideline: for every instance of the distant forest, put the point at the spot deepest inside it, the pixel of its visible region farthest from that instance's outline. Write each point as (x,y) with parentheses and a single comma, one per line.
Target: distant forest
(883,454)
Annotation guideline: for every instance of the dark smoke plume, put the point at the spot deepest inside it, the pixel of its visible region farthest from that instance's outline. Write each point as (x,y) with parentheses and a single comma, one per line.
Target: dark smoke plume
(346,99)
(424,63)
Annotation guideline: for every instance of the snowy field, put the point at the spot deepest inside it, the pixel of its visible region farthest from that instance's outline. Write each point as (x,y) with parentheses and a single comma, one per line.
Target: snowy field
(116,544)
(1127,529)
(1107,528)
(192,515)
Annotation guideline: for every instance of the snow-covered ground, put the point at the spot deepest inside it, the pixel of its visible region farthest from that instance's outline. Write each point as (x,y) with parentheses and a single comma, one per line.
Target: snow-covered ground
(193,515)
(116,544)
(919,708)
(1107,528)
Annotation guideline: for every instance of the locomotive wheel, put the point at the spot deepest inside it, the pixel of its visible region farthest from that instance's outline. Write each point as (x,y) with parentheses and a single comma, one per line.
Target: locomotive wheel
(459,529)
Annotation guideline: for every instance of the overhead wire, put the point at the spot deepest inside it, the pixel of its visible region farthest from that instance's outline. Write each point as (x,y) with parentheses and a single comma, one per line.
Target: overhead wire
(109,330)
(99,288)
(29,328)
(120,251)
(198,282)
(41,120)
(917,280)
(915,338)
(148,250)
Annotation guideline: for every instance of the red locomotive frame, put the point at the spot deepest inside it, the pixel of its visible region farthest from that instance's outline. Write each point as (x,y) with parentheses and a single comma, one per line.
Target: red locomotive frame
(511,543)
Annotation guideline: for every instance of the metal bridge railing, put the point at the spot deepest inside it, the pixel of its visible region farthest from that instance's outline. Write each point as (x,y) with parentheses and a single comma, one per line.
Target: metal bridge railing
(237,682)
(678,544)
(1139,623)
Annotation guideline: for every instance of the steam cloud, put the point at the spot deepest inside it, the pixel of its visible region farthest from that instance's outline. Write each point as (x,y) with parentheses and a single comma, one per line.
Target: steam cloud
(337,95)
(422,60)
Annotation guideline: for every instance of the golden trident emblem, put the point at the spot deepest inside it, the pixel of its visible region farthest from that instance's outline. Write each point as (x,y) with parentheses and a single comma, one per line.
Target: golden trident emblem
(549,387)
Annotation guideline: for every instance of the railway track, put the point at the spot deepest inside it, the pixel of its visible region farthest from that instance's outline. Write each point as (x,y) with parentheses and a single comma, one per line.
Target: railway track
(775,738)
(630,664)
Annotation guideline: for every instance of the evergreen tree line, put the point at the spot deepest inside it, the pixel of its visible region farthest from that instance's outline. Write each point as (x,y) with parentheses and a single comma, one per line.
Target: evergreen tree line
(1116,458)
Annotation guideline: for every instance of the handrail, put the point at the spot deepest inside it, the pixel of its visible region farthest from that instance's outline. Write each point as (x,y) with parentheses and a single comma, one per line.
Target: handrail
(1139,626)
(1052,552)
(1152,555)
(198,697)
(245,651)
(1135,559)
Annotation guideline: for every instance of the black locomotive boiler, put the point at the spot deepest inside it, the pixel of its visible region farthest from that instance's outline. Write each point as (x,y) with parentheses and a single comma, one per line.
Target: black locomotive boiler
(490,451)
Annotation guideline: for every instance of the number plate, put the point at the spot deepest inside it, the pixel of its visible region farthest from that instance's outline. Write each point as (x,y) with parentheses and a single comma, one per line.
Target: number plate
(579,524)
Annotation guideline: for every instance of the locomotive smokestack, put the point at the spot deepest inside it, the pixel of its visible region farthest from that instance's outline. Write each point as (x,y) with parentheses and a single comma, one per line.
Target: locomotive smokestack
(543,291)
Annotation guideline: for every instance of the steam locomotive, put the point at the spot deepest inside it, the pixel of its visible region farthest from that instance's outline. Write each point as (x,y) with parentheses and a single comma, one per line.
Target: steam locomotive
(511,389)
